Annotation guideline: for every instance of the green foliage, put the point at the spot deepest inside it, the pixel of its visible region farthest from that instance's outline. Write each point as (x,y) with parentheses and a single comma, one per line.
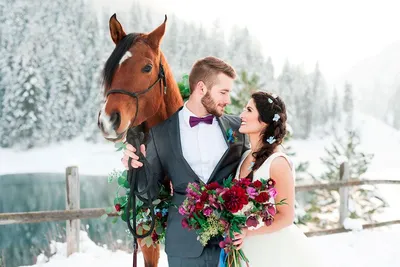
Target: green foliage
(348,150)
(184,87)
(246,85)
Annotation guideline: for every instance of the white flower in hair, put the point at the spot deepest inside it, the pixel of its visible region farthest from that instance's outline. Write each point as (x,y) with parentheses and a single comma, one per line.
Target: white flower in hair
(270,100)
(271,140)
(276,117)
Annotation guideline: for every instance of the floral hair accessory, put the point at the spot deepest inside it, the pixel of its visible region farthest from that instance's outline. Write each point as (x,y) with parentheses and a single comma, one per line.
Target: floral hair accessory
(276,117)
(271,140)
(270,100)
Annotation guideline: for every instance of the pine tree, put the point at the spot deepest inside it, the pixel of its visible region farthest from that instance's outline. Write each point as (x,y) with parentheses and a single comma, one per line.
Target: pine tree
(348,150)
(246,86)
(348,105)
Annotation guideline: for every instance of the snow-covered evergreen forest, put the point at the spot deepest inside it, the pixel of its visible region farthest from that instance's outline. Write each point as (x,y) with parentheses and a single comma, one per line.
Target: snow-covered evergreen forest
(53,53)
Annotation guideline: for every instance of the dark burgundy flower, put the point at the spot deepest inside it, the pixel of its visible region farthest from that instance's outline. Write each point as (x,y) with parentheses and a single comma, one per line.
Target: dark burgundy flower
(212,186)
(262,197)
(204,196)
(117,207)
(234,199)
(252,221)
(271,182)
(154,236)
(244,182)
(268,221)
(257,184)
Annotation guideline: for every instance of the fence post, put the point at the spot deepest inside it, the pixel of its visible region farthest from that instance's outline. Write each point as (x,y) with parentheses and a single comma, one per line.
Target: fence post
(73,203)
(344,192)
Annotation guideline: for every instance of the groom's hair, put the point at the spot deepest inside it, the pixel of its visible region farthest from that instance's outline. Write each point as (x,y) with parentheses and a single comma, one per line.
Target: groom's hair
(207,69)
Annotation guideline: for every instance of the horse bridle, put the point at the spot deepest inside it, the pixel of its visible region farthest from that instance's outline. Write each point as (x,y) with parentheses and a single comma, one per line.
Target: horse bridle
(135,138)
(135,95)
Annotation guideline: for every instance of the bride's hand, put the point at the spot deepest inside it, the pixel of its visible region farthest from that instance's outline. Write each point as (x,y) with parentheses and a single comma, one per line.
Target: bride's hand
(238,238)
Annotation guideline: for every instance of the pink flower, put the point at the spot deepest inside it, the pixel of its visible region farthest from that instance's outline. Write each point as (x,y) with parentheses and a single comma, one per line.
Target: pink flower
(252,192)
(182,210)
(271,210)
(251,221)
(207,211)
(185,223)
(272,192)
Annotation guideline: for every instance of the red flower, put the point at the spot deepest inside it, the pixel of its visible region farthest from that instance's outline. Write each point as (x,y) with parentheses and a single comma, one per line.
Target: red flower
(199,206)
(244,182)
(257,184)
(204,196)
(159,215)
(234,199)
(212,186)
(117,207)
(154,236)
(262,197)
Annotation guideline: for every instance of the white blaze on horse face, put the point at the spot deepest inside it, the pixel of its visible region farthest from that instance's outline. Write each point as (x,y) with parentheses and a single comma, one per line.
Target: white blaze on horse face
(125,57)
(107,125)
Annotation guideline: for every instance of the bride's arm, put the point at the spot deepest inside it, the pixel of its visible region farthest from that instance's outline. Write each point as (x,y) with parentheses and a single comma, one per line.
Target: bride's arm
(281,172)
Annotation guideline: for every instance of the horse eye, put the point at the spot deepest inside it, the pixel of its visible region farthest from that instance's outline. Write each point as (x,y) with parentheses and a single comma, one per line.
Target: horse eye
(147,68)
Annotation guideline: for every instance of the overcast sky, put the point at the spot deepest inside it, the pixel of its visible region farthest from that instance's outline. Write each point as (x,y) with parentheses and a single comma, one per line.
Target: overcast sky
(337,33)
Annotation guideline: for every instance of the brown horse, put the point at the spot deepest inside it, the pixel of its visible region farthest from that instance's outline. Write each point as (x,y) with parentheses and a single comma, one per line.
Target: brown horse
(139,90)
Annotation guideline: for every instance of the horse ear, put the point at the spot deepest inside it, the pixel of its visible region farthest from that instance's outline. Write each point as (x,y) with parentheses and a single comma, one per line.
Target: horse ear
(156,36)
(116,31)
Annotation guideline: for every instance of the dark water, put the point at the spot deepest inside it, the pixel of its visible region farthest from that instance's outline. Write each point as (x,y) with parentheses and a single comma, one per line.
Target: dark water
(21,243)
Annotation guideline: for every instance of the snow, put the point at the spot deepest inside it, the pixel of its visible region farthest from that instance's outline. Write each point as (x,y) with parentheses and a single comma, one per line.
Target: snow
(352,224)
(368,248)
(92,159)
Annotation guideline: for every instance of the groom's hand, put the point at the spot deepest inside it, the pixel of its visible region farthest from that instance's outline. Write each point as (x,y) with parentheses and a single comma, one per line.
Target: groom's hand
(130,152)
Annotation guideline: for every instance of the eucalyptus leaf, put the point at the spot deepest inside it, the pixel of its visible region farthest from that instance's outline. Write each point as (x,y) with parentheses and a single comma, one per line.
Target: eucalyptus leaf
(140,230)
(157,201)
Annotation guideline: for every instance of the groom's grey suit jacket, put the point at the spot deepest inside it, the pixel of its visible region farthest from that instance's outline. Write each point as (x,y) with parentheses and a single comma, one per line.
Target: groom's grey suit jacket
(164,153)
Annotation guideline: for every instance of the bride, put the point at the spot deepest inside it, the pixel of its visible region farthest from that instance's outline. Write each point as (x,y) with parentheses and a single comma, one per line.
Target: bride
(281,244)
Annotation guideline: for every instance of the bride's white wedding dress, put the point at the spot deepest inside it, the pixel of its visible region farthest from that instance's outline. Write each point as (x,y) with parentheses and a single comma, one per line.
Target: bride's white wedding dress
(288,247)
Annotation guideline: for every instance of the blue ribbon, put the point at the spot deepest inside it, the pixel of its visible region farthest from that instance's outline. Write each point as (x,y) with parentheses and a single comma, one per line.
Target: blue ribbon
(222,258)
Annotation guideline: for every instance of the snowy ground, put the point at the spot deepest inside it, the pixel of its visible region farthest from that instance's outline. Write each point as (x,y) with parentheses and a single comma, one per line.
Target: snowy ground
(369,248)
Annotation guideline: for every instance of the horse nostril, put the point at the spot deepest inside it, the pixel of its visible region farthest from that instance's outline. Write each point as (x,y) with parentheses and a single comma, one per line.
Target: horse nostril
(115,120)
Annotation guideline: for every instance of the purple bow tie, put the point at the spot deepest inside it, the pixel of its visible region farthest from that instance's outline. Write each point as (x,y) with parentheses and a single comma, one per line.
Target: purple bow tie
(193,121)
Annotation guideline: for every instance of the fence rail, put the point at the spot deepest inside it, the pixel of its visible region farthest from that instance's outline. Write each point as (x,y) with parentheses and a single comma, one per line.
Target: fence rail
(73,214)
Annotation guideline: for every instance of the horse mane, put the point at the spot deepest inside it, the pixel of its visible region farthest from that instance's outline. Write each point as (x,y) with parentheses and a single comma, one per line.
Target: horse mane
(112,62)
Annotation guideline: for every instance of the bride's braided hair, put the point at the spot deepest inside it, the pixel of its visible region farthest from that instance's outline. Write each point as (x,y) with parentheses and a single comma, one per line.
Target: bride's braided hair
(268,105)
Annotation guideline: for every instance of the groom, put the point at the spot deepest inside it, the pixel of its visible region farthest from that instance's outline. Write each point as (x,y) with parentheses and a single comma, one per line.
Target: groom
(192,145)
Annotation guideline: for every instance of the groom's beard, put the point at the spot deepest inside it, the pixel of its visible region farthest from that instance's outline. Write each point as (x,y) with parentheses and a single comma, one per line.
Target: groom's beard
(210,105)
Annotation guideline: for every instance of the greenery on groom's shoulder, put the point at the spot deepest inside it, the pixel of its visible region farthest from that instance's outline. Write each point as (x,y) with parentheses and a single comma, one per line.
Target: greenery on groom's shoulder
(184,87)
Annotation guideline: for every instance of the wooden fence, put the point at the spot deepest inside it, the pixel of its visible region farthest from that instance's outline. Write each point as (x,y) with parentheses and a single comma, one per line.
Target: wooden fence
(73,213)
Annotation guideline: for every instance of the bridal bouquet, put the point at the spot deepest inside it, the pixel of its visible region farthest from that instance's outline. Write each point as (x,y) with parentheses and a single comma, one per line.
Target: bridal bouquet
(213,210)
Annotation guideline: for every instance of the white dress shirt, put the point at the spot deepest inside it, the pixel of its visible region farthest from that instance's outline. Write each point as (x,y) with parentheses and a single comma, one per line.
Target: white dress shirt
(202,146)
